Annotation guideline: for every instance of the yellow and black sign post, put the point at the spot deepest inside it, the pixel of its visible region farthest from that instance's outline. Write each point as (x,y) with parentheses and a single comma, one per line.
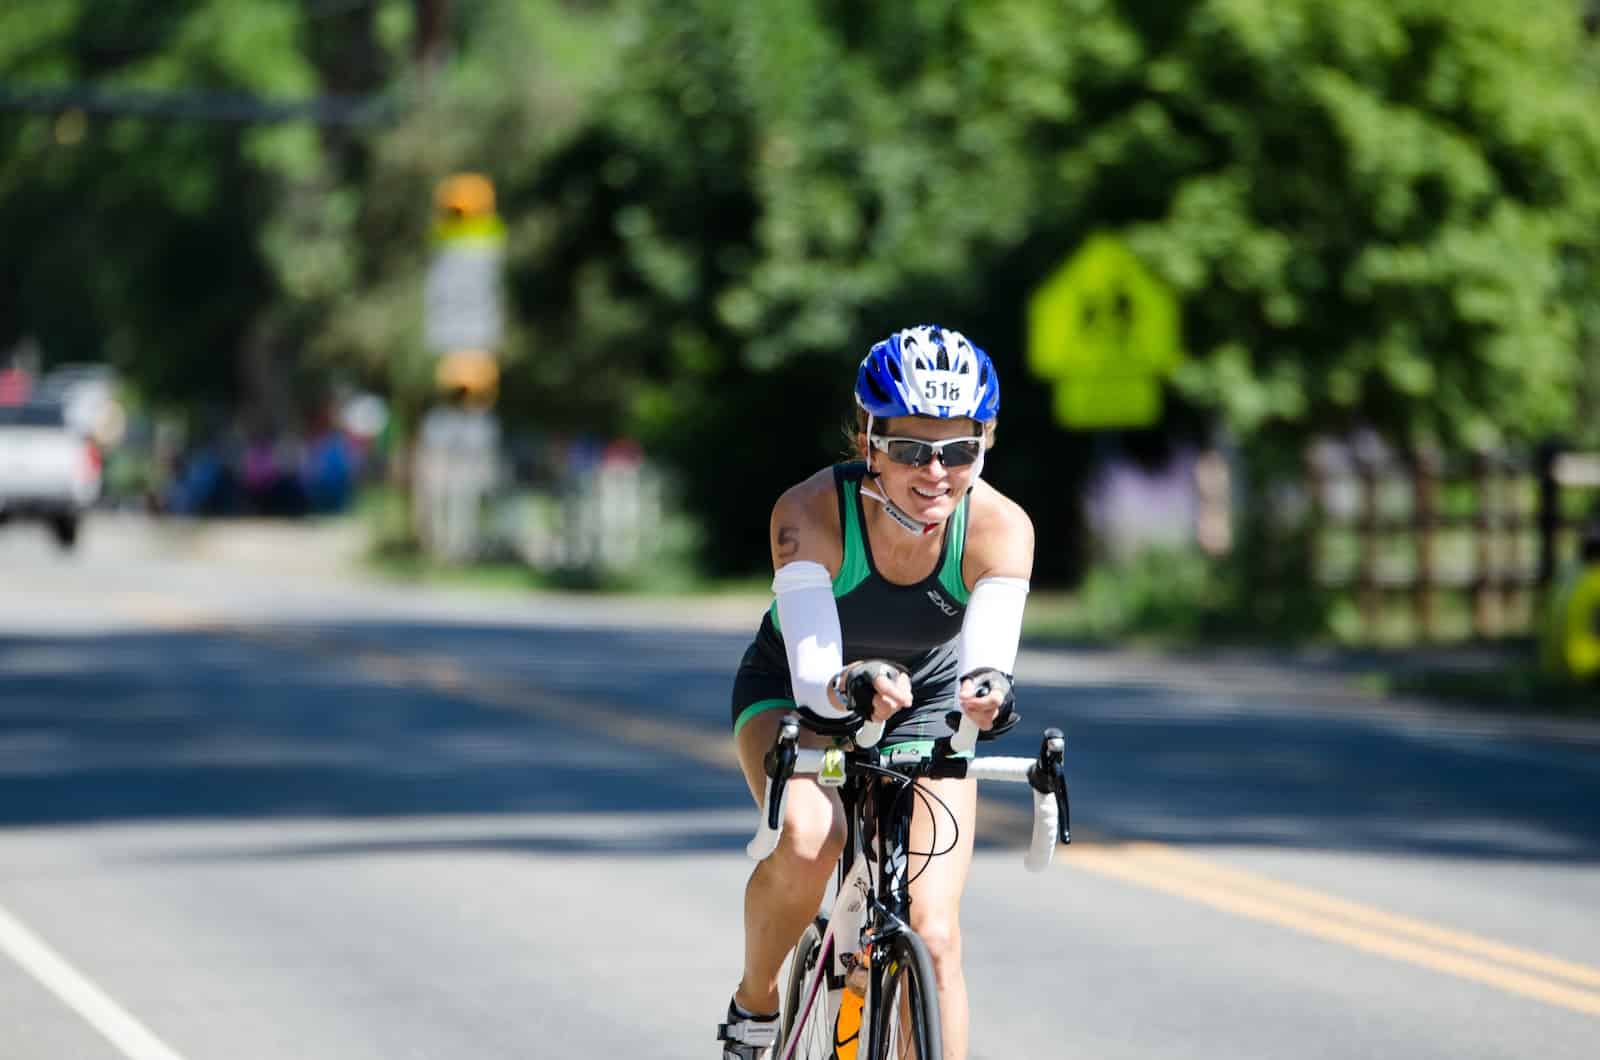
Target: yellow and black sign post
(457,459)
(464,323)
(1571,642)
(1105,331)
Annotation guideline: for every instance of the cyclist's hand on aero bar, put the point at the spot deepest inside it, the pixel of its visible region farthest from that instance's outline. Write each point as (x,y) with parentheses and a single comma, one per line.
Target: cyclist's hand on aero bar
(981,709)
(891,687)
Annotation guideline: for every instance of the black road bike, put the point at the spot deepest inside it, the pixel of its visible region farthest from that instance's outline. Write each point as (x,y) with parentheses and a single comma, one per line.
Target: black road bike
(860,983)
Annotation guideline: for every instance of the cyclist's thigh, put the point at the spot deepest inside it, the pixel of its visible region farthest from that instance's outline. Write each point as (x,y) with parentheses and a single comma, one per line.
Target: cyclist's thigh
(937,883)
(808,803)
(755,738)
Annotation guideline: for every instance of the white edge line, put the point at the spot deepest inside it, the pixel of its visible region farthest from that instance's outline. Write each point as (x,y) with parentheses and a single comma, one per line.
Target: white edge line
(106,1016)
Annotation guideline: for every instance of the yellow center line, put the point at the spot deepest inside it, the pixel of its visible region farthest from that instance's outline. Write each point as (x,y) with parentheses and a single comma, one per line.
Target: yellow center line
(1151,865)
(159,610)
(1363,914)
(1133,869)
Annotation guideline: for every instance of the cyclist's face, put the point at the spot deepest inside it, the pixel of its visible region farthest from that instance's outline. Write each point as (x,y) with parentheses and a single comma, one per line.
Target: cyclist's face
(932,491)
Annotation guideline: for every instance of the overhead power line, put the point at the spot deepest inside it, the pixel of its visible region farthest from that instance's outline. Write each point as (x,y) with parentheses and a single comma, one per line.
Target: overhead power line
(239,108)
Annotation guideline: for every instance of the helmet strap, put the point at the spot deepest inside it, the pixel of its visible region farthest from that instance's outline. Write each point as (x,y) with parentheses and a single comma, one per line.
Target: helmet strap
(901,517)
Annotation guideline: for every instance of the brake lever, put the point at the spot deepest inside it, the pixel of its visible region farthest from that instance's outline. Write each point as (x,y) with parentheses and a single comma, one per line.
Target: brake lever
(779,764)
(1048,776)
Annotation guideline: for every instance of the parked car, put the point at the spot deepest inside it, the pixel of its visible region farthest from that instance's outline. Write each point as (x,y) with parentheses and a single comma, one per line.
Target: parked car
(48,471)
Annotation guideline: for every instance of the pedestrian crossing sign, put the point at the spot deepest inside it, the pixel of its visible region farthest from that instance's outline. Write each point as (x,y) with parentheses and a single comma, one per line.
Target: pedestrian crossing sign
(1105,331)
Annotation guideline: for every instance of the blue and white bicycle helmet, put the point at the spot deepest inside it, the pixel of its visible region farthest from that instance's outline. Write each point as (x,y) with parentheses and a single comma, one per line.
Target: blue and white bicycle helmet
(928,371)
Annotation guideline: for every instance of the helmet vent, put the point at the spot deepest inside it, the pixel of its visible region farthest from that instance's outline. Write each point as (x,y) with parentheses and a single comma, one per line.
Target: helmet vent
(878,393)
(913,373)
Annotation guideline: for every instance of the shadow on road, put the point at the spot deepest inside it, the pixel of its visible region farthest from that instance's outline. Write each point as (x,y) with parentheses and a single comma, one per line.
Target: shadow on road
(297,723)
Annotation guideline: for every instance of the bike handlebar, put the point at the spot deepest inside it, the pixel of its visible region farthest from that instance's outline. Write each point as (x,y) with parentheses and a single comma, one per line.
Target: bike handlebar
(1045,774)
(966,737)
(967,733)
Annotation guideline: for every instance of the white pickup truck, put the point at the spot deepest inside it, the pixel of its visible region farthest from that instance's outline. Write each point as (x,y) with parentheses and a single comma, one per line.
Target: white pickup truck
(48,471)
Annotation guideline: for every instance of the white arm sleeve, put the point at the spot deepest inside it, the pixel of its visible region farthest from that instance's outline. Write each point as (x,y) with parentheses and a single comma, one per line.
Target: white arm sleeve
(809,621)
(992,626)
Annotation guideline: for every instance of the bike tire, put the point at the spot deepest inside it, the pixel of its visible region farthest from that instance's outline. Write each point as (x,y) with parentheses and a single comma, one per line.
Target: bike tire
(812,1039)
(906,1018)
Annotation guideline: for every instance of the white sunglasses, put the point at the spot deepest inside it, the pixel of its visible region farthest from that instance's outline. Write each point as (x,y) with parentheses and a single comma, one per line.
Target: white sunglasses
(920,452)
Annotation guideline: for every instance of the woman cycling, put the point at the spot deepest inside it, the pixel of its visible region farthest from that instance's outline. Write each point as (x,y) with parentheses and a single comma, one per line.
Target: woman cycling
(931,576)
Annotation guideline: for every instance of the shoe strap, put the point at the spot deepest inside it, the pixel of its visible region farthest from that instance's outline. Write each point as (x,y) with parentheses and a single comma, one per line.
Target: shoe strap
(760,1033)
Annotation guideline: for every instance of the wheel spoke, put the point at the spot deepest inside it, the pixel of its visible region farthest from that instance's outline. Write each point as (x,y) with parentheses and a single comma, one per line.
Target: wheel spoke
(907,1020)
(807,1015)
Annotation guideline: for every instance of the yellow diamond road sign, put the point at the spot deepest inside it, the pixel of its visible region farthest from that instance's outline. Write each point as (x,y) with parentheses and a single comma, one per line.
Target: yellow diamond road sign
(1105,331)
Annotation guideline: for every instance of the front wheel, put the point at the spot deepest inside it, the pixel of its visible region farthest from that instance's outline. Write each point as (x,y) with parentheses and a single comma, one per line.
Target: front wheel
(905,1017)
(807,1010)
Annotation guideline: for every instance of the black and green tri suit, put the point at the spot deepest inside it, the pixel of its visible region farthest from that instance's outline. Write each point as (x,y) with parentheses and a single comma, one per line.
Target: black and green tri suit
(913,625)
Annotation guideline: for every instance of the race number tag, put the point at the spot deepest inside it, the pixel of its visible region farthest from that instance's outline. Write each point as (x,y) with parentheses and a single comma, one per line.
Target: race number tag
(831,773)
(945,388)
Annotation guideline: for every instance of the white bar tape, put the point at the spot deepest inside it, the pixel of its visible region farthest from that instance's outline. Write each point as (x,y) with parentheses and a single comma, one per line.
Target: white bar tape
(869,734)
(1000,767)
(807,761)
(765,840)
(1043,845)
(966,737)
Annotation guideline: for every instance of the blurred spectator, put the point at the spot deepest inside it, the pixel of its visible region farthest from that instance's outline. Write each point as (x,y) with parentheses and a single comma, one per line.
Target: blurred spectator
(328,471)
(271,477)
(202,483)
(15,385)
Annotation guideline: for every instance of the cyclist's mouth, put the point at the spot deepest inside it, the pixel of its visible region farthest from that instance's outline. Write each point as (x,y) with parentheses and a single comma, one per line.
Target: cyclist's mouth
(931,495)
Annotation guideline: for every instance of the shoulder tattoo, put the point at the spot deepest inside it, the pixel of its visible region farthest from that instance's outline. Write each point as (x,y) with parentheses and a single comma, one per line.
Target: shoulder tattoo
(788,541)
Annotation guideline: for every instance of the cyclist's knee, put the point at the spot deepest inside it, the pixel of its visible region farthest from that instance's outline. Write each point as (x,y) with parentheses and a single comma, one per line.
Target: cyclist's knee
(941,933)
(813,832)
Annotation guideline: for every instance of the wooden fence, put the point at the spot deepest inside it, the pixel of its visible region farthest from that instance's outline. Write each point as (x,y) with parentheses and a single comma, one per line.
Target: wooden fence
(1463,547)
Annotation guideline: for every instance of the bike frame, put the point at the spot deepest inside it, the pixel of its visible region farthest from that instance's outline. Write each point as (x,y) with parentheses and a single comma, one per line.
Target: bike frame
(858,906)
(826,984)
(875,912)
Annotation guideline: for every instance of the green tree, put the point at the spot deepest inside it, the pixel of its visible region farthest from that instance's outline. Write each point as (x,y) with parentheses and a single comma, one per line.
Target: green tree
(1377,213)
(161,218)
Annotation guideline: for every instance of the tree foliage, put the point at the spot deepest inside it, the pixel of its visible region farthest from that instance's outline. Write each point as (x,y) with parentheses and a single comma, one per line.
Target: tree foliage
(1378,213)
(181,250)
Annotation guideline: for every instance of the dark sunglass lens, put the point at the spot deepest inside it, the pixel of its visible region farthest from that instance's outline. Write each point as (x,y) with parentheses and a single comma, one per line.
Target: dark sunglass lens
(959,454)
(914,453)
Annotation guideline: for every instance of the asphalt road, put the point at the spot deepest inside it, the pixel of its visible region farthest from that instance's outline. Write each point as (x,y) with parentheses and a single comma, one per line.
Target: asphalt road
(252,809)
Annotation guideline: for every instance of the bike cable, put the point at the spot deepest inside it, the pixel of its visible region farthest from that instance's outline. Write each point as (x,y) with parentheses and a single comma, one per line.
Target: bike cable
(908,786)
(929,799)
